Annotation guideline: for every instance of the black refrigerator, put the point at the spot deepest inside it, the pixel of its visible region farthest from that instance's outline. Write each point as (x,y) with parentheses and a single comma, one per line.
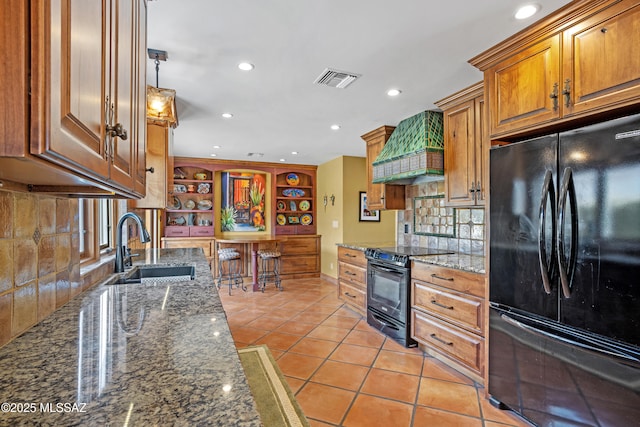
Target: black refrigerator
(564,290)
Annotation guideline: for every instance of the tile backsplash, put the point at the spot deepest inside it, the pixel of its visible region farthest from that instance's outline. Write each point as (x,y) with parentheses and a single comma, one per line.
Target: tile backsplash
(39,259)
(468,223)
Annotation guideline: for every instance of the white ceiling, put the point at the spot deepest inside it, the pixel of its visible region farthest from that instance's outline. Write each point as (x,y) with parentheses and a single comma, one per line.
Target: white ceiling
(418,46)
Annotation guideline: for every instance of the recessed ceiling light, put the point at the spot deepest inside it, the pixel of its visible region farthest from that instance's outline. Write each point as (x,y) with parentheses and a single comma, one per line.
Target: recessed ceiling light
(246,66)
(216,146)
(214,155)
(394,92)
(335,127)
(526,11)
(283,160)
(294,152)
(227,115)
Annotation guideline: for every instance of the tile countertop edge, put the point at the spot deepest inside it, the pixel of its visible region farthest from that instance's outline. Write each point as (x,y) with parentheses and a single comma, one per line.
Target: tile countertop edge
(158,353)
(459,261)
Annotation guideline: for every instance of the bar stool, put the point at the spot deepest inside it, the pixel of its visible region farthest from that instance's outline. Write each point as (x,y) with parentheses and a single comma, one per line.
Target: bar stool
(230,258)
(269,271)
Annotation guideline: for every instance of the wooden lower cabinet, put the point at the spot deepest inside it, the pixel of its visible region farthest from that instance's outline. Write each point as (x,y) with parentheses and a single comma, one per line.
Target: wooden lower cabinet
(300,256)
(448,316)
(352,278)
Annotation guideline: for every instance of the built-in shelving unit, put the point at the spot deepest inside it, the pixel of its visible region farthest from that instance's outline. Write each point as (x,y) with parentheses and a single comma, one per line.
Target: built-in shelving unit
(190,210)
(294,205)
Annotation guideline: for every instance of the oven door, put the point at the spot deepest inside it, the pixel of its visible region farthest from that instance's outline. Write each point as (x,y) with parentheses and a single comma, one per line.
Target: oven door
(387,289)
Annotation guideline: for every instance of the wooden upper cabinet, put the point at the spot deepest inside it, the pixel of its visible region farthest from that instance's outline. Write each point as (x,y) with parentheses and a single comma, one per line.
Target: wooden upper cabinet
(524,88)
(82,78)
(70,62)
(159,156)
(465,148)
(580,61)
(381,196)
(604,65)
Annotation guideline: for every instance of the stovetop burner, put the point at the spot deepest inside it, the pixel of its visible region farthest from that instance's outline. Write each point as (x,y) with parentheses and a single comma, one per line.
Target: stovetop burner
(413,250)
(399,255)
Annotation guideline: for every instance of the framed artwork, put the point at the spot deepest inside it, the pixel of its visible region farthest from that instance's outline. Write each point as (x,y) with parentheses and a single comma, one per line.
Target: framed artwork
(365,213)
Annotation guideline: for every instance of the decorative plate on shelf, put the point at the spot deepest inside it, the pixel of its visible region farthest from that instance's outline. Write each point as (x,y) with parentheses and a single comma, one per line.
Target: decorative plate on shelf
(280,219)
(293,179)
(306,219)
(179,188)
(292,205)
(176,203)
(293,192)
(304,205)
(282,206)
(205,205)
(204,188)
(189,204)
(294,220)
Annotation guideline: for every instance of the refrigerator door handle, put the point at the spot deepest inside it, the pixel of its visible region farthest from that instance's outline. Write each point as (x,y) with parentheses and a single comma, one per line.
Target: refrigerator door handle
(548,193)
(566,265)
(582,345)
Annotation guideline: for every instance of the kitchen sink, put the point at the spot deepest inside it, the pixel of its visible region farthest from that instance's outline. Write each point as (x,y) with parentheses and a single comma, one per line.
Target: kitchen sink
(164,273)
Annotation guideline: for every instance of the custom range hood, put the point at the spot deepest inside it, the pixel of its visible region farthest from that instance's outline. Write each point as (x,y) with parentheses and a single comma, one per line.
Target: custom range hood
(414,149)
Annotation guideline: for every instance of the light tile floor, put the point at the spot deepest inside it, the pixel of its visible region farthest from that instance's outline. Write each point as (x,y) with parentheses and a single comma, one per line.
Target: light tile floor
(345,373)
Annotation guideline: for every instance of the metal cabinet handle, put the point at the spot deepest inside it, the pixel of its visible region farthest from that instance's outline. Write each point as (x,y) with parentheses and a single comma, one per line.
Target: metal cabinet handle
(448,279)
(567,92)
(435,337)
(350,273)
(118,130)
(349,295)
(473,187)
(448,307)
(349,255)
(554,95)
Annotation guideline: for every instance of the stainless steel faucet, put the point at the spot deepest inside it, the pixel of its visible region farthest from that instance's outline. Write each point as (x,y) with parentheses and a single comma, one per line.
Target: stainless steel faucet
(122,257)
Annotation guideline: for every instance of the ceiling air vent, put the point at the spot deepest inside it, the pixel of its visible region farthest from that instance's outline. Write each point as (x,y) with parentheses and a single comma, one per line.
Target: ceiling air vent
(336,78)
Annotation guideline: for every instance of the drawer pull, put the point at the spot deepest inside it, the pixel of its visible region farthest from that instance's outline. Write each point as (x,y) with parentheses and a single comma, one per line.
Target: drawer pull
(349,295)
(350,273)
(350,256)
(448,279)
(435,337)
(448,307)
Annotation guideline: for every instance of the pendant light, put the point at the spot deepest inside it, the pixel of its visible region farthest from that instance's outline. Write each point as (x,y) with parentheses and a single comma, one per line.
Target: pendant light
(161,103)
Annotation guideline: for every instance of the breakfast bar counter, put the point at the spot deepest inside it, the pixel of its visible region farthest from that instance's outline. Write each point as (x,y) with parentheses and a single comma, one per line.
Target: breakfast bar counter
(151,353)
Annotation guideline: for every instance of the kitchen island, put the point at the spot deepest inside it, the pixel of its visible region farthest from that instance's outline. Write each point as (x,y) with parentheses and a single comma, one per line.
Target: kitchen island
(155,353)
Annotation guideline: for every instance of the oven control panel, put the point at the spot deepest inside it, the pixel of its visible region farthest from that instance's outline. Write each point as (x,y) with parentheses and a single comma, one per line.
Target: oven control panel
(395,259)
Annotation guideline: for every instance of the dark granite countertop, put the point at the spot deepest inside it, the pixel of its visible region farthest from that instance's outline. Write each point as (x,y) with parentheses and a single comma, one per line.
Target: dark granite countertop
(460,261)
(157,353)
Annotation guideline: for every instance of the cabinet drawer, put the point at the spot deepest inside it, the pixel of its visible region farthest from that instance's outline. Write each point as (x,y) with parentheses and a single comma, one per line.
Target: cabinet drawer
(200,231)
(353,296)
(205,244)
(454,342)
(352,256)
(463,310)
(176,231)
(450,278)
(299,264)
(353,274)
(295,246)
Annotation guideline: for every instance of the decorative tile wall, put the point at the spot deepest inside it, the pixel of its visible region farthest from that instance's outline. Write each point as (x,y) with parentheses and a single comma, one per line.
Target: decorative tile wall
(469,224)
(39,259)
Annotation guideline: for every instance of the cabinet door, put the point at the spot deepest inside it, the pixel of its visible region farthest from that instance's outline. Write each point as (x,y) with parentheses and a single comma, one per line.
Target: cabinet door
(525,88)
(381,196)
(69,83)
(160,182)
(459,157)
(140,76)
(123,91)
(602,60)
(481,151)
